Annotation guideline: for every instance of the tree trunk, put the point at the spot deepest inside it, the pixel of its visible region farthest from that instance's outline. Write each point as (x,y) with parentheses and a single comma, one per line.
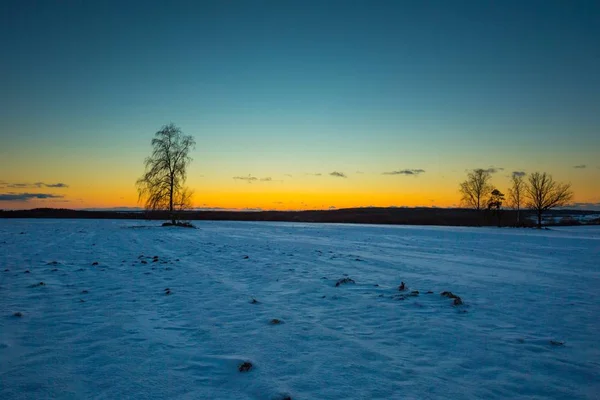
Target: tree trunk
(518,216)
(171,203)
(539,225)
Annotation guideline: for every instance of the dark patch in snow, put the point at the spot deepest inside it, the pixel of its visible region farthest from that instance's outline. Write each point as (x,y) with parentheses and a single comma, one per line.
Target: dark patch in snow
(402,286)
(27,271)
(344,281)
(38,284)
(254,301)
(275,321)
(95,263)
(457,300)
(18,314)
(245,366)
(557,343)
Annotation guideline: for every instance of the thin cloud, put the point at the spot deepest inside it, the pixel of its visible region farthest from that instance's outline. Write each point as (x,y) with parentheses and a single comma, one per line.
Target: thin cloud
(248,178)
(581,166)
(289,175)
(406,172)
(359,172)
(317,174)
(36,185)
(27,196)
(338,174)
(493,170)
(519,173)
(251,179)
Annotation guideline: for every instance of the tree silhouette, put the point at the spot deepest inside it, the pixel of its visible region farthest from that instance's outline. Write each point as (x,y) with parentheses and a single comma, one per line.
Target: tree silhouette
(162,185)
(475,188)
(544,193)
(516,194)
(494,203)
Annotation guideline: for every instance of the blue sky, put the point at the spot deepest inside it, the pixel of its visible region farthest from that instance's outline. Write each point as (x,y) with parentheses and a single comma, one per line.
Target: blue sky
(281,88)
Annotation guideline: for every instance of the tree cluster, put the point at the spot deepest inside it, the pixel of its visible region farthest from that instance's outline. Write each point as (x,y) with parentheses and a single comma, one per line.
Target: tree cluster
(539,193)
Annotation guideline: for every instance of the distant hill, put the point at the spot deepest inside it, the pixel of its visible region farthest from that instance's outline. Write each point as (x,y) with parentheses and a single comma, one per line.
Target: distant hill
(367,215)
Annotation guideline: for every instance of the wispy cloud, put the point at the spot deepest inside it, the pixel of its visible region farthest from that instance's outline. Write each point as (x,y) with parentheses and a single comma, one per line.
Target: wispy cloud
(248,178)
(251,179)
(288,175)
(580,166)
(317,174)
(405,172)
(338,174)
(11,196)
(37,185)
(519,173)
(493,170)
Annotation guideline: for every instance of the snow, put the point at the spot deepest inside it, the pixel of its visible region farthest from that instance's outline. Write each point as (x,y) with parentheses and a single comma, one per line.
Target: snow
(521,290)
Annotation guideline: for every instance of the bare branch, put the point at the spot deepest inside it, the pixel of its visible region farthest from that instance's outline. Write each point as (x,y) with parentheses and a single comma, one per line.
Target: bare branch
(475,188)
(543,193)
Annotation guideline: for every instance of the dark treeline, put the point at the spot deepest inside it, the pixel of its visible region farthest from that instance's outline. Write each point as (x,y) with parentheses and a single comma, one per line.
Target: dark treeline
(396,216)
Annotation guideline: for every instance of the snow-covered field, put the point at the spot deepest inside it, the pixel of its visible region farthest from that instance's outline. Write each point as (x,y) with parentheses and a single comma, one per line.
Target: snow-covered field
(529,326)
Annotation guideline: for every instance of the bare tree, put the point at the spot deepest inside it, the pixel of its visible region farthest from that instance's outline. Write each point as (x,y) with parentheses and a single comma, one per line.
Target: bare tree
(543,193)
(516,193)
(476,188)
(162,185)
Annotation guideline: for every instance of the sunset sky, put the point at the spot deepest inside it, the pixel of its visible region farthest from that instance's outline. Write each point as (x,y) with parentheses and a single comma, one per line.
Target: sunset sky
(297,104)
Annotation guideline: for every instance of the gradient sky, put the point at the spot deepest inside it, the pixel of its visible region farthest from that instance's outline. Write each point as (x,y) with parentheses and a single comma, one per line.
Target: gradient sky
(288,90)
